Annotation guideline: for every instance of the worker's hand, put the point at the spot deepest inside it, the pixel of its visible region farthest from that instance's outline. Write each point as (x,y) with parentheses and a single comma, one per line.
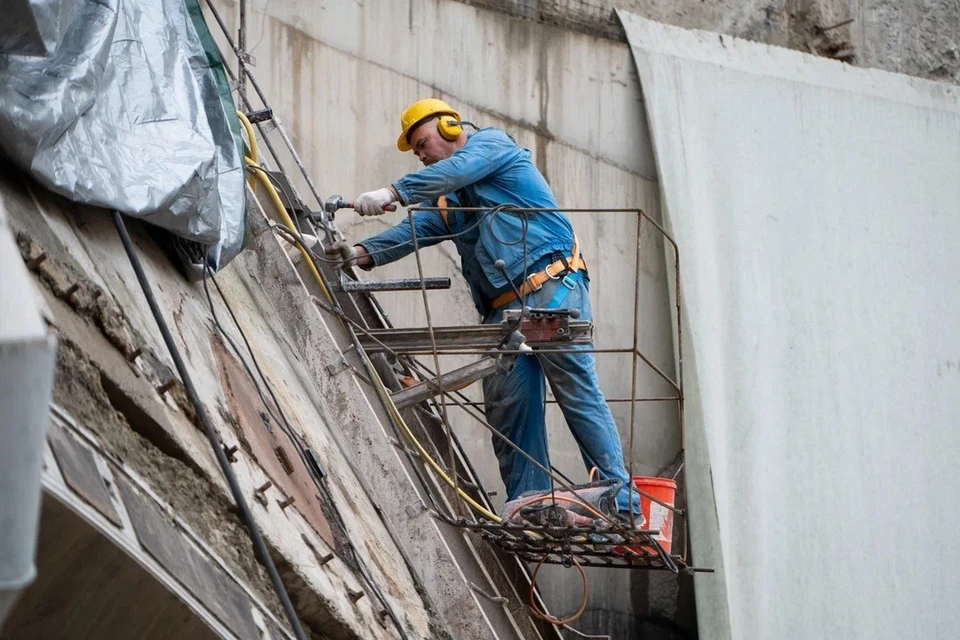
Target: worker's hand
(341,254)
(372,203)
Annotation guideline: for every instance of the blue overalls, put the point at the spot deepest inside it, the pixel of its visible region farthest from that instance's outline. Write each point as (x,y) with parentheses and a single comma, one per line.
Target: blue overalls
(491,170)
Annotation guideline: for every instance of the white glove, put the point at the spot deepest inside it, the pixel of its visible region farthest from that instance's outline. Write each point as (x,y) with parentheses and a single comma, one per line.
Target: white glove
(342,254)
(372,203)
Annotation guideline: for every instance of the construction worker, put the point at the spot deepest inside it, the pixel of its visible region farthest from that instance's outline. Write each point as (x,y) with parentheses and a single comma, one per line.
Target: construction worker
(537,251)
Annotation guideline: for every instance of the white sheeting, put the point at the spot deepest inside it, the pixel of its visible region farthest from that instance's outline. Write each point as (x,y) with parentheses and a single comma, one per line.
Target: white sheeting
(817,209)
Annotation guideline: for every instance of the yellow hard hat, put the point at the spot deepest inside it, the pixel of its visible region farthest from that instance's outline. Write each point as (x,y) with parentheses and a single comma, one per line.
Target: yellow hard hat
(417,113)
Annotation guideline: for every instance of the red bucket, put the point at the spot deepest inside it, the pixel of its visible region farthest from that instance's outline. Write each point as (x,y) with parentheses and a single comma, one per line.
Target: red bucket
(658,516)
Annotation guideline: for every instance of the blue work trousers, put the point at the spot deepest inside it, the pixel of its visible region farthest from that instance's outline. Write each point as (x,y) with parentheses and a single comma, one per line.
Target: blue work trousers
(514,403)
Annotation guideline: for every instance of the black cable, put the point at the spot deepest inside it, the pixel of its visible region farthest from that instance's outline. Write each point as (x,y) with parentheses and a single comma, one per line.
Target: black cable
(451,236)
(259,545)
(523,217)
(233,345)
(295,439)
(337,311)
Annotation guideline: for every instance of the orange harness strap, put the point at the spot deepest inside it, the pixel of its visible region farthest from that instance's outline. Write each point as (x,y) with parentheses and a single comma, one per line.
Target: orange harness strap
(536,281)
(442,203)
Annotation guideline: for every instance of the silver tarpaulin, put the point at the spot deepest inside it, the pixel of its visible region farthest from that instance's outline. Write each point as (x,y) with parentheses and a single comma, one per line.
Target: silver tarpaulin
(131,111)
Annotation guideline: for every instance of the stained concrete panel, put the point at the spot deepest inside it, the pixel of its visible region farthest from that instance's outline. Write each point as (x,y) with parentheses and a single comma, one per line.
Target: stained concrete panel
(162,541)
(79,469)
(111,597)
(816,204)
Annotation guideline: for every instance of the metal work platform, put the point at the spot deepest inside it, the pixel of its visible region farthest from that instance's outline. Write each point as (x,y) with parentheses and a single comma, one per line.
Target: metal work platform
(415,403)
(474,338)
(618,548)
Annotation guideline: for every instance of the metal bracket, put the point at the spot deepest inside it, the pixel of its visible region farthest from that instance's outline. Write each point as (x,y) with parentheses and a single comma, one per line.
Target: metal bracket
(342,365)
(540,325)
(401,284)
(261,115)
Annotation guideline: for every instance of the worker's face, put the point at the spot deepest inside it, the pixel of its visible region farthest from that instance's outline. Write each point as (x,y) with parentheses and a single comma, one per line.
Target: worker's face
(428,145)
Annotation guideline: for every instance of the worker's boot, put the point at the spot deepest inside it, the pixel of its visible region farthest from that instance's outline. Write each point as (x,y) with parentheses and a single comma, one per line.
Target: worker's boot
(586,502)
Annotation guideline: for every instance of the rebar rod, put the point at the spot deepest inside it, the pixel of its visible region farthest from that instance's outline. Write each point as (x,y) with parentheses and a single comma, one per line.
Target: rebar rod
(633,370)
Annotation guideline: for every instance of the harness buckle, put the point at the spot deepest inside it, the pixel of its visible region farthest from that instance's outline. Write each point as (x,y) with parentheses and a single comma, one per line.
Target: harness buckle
(550,275)
(534,287)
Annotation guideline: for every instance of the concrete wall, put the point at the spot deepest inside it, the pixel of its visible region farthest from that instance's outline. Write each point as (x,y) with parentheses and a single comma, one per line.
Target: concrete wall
(339,74)
(340,86)
(916,37)
(821,297)
(558,77)
(111,373)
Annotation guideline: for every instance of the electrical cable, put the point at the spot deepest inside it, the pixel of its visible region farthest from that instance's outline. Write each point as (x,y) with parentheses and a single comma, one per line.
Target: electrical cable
(260,546)
(295,440)
(544,615)
(287,427)
(395,413)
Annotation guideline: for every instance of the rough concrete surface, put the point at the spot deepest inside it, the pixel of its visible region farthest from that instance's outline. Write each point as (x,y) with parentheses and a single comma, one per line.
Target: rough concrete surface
(916,37)
(193,497)
(80,247)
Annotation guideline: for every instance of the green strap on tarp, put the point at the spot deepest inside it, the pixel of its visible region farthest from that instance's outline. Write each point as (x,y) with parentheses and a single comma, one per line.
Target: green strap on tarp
(218,70)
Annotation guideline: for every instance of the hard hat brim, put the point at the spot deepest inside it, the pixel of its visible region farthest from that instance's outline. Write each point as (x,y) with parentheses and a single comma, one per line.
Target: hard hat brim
(403,142)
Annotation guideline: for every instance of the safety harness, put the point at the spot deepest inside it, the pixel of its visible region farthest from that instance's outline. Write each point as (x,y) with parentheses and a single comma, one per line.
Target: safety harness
(572,266)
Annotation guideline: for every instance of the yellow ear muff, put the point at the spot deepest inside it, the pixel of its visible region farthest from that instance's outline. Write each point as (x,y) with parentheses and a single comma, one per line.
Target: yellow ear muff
(449,128)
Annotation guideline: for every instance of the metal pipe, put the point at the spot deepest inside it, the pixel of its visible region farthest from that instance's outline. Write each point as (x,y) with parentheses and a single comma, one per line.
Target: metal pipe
(633,371)
(242,48)
(399,284)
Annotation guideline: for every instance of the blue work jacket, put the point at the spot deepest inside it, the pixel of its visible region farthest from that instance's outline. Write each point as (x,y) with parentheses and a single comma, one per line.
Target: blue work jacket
(490,170)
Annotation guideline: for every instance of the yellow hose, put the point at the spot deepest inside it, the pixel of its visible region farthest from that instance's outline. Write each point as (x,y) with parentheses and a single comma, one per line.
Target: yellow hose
(275,197)
(479,508)
(254,157)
